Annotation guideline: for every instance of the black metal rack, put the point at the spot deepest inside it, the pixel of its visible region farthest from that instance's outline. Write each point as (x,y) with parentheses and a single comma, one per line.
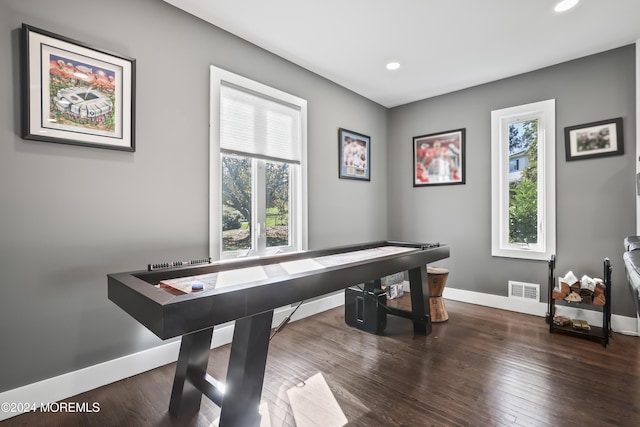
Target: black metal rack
(599,333)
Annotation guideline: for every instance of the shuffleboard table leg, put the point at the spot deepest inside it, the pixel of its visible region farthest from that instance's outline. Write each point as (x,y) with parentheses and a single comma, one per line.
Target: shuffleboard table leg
(193,357)
(420,307)
(245,376)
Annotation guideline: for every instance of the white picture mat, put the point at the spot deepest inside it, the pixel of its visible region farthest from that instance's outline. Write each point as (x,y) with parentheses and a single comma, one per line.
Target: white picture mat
(613,141)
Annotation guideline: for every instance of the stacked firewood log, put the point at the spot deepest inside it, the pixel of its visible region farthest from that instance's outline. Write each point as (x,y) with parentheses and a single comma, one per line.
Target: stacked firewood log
(586,290)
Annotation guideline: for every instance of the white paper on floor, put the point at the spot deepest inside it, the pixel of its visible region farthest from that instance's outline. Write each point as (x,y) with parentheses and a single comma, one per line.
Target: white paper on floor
(313,404)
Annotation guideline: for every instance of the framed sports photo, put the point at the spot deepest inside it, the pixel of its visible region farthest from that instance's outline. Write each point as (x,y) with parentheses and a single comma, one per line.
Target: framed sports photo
(439,158)
(591,140)
(73,93)
(355,155)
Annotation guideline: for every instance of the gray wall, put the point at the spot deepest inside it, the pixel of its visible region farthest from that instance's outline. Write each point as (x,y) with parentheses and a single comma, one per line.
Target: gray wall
(595,198)
(70,215)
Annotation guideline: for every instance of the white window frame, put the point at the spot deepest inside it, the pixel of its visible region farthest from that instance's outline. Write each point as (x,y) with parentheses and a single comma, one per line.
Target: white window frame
(544,112)
(298,217)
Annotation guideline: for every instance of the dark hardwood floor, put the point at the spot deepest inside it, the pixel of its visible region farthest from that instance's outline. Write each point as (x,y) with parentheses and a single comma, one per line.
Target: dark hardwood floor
(484,367)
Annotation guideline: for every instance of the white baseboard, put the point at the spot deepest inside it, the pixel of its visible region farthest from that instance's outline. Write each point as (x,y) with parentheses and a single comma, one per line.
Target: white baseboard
(621,324)
(76,382)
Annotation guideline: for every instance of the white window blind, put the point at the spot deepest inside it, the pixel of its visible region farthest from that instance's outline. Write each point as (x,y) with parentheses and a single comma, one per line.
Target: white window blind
(251,124)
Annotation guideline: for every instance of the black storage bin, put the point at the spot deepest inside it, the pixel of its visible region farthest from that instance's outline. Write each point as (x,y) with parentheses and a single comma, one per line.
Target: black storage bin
(366,309)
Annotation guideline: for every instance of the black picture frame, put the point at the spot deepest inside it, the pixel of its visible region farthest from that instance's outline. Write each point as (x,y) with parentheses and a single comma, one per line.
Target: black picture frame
(439,158)
(73,93)
(592,140)
(354,155)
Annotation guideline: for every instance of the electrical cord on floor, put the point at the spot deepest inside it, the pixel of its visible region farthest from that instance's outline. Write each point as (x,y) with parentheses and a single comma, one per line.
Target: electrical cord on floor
(285,321)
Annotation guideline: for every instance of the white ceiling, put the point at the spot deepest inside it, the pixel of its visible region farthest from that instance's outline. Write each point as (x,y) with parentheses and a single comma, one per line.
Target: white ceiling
(442,45)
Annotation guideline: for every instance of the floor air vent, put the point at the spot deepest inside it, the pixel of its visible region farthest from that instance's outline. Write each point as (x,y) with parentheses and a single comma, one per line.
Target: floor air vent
(528,291)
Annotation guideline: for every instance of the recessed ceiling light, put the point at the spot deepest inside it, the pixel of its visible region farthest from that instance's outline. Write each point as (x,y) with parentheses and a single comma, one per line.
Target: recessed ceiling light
(565,5)
(393,65)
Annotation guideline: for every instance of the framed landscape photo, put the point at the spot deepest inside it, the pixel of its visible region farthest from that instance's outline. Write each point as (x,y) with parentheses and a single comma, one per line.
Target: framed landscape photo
(355,155)
(439,158)
(76,94)
(597,139)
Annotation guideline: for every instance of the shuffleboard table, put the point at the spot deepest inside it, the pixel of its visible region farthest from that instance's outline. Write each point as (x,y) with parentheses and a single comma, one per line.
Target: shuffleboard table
(188,301)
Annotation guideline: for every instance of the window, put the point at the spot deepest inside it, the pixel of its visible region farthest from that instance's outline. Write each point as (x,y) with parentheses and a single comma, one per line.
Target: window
(523,181)
(257,168)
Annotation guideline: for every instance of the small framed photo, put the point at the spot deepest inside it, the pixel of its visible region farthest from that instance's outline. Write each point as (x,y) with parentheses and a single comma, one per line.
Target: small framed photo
(597,139)
(355,155)
(439,158)
(76,94)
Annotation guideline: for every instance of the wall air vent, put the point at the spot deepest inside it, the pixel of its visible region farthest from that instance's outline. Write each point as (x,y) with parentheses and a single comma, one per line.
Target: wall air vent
(528,291)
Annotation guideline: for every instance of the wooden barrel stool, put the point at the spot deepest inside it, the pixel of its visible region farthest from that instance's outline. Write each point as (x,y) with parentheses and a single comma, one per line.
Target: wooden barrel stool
(437,278)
